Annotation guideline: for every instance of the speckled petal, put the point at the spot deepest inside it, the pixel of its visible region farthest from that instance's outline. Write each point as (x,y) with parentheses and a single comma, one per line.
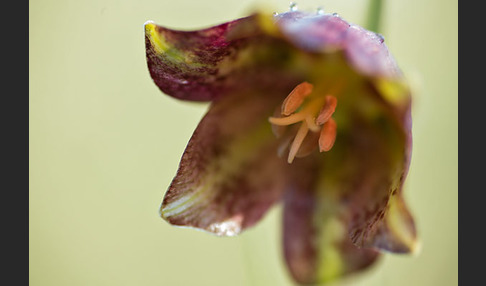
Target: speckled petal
(185,64)
(230,173)
(395,230)
(374,157)
(369,54)
(327,33)
(203,65)
(206,64)
(317,246)
(313,33)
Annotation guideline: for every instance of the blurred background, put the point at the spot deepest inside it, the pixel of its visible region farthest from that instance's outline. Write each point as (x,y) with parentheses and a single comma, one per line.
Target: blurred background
(105,144)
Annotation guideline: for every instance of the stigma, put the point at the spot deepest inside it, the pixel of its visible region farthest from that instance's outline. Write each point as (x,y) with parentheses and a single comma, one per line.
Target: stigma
(313,112)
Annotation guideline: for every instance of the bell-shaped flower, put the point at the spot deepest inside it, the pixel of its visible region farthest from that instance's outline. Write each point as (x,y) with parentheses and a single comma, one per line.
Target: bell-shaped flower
(305,109)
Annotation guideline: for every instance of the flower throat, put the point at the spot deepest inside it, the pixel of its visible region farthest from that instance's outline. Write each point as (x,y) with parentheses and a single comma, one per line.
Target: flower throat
(314,112)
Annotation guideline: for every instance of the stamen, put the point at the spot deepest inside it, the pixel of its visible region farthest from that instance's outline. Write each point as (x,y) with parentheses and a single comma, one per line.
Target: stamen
(311,108)
(299,138)
(328,135)
(294,118)
(315,112)
(278,130)
(296,97)
(327,110)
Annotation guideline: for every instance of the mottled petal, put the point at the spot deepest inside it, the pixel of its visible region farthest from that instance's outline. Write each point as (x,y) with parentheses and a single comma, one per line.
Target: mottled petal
(386,223)
(369,54)
(365,50)
(311,32)
(230,173)
(373,157)
(317,246)
(185,64)
(206,64)
(395,232)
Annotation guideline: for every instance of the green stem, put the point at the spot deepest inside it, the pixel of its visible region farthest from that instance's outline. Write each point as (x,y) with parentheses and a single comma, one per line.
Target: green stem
(374,15)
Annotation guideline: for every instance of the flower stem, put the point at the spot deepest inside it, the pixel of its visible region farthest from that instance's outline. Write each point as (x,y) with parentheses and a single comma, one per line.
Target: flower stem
(374,15)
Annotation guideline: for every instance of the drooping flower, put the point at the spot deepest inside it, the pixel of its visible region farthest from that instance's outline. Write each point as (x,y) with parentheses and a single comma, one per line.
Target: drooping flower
(306,109)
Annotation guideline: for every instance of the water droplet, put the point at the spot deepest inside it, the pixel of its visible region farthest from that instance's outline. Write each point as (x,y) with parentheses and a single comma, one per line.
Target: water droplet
(320,10)
(230,227)
(293,6)
(335,14)
(381,37)
(275,14)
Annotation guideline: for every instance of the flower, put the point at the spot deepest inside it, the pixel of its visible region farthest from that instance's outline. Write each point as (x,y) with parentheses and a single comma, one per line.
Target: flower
(306,109)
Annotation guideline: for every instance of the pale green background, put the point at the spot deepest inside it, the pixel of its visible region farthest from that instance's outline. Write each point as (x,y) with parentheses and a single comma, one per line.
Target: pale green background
(105,144)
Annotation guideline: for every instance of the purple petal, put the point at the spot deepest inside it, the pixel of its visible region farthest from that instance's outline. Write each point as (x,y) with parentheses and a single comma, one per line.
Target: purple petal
(368,53)
(395,231)
(311,32)
(326,33)
(206,64)
(185,64)
(229,174)
(374,157)
(317,247)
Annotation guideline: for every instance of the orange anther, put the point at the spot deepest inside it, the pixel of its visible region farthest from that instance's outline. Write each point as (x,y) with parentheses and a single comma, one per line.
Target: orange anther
(296,97)
(327,110)
(328,135)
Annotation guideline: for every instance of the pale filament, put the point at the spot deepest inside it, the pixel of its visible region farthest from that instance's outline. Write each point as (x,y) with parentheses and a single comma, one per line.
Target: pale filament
(311,108)
(299,138)
(283,121)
